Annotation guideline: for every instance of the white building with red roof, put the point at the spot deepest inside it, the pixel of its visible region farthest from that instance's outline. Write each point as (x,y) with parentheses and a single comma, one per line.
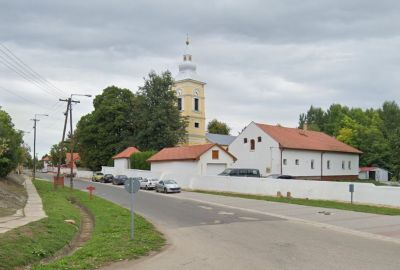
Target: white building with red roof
(122,160)
(291,151)
(204,159)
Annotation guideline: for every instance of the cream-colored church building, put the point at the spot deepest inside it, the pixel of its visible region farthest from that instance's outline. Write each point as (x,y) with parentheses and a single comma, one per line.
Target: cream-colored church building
(191,99)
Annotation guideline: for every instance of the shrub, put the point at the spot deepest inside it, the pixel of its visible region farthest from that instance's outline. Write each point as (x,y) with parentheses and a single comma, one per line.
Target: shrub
(139,160)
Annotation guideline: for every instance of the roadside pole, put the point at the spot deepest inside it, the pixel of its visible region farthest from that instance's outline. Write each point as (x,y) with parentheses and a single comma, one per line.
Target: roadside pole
(132,186)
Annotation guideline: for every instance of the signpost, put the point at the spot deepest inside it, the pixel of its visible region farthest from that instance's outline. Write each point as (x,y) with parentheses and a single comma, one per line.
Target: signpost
(132,185)
(351,190)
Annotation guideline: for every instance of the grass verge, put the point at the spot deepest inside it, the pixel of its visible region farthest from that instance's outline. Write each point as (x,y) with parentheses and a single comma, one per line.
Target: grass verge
(317,203)
(109,242)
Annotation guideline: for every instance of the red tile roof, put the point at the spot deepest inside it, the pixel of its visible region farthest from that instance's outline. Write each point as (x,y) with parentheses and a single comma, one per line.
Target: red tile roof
(74,155)
(192,152)
(127,153)
(367,169)
(294,138)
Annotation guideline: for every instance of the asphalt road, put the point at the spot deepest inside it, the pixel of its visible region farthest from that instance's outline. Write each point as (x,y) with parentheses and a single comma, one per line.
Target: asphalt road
(205,236)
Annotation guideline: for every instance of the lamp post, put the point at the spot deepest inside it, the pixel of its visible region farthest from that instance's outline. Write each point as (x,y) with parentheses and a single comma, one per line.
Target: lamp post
(35,120)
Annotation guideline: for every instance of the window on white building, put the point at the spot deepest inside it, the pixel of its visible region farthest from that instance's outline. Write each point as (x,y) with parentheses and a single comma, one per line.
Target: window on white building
(259,139)
(343,165)
(245,140)
(349,165)
(297,162)
(328,164)
(312,164)
(284,161)
(252,145)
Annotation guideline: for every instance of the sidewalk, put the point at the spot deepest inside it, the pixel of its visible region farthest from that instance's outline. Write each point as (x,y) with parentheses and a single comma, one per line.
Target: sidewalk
(32,211)
(364,224)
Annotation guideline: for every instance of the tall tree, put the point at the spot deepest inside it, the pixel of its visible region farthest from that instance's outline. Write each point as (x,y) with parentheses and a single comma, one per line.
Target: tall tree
(107,130)
(160,123)
(10,144)
(217,127)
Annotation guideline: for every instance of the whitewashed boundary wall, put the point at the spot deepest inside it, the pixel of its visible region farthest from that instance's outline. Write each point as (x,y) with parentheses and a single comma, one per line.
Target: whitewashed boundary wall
(323,190)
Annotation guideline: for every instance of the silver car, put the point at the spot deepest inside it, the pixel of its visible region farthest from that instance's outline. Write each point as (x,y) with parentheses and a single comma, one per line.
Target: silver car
(148,183)
(167,186)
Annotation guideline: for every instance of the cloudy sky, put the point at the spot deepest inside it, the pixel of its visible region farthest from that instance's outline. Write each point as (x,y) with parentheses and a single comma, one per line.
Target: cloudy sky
(264,61)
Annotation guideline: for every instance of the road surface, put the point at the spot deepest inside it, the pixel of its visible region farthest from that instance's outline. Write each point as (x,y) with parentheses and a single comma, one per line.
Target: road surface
(206,236)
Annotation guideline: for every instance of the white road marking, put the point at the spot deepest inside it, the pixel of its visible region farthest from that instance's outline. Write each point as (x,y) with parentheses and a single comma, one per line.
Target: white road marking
(248,218)
(225,213)
(205,207)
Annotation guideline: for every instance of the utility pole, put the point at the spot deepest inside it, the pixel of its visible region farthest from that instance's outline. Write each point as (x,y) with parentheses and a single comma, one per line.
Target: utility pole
(69,109)
(35,120)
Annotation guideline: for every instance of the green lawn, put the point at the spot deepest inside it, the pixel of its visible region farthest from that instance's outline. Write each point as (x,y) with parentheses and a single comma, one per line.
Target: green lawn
(110,239)
(317,203)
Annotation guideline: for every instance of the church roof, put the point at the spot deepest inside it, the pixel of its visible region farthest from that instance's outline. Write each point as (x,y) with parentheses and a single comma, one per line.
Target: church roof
(220,138)
(294,138)
(187,69)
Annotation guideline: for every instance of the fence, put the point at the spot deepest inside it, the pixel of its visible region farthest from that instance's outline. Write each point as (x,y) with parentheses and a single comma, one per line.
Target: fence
(324,190)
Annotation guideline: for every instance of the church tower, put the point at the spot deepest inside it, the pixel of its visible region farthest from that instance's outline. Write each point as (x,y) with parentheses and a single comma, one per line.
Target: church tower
(191,100)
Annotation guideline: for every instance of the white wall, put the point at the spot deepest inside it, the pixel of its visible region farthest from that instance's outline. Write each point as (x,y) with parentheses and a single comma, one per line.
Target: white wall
(266,155)
(324,190)
(206,158)
(336,164)
(183,167)
(304,168)
(121,164)
(84,174)
(130,172)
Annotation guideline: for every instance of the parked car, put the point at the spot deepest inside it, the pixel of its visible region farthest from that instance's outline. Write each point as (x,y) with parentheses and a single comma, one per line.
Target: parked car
(280,176)
(167,186)
(119,179)
(97,176)
(108,178)
(148,183)
(241,172)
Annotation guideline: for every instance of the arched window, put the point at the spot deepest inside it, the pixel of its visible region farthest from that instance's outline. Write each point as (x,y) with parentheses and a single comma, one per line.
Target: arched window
(252,144)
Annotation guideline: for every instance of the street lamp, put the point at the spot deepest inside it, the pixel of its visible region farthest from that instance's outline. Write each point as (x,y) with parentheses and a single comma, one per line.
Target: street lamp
(34,141)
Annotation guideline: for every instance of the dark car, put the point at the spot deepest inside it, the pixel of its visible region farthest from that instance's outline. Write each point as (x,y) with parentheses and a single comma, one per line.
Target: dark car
(241,172)
(107,178)
(280,176)
(119,179)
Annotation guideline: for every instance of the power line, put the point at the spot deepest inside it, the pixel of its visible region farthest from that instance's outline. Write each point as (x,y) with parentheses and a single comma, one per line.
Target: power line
(15,64)
(21,63)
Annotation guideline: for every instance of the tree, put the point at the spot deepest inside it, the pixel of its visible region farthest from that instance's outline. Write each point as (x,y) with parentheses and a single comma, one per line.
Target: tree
(160,123)
(217,127)
(10,145)
(55,153)
(139,160)
(107,130)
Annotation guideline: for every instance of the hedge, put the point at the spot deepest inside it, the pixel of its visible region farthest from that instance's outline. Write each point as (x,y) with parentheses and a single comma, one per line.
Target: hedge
(139,160)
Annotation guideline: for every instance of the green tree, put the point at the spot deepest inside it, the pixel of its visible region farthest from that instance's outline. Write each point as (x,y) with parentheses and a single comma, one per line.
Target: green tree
(107,130)
(55,153)
(217,127)
(139,160)
(160,123)
(10,145)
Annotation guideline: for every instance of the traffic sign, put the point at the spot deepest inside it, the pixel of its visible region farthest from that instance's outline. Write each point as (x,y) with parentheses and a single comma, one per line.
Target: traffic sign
(132,185)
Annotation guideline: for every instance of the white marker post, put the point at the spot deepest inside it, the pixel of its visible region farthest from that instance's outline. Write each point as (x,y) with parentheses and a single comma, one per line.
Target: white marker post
(132,186)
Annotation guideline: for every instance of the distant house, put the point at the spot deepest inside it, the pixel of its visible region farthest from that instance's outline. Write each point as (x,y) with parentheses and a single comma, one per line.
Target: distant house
(46,163)
(301,153)
(204,159)
(373,173)
(75,158)
(122,160)
(222,140)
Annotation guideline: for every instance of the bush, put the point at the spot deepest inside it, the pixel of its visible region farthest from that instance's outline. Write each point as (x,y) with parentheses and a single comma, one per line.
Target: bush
(139,160)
